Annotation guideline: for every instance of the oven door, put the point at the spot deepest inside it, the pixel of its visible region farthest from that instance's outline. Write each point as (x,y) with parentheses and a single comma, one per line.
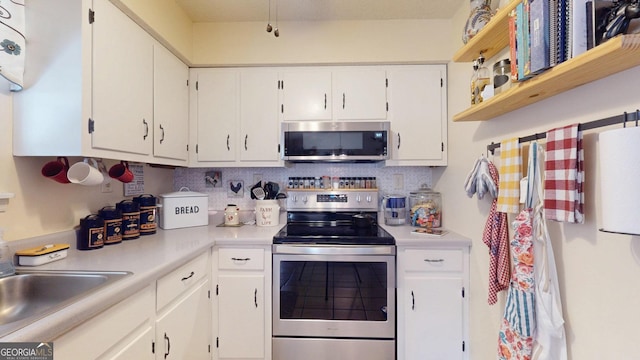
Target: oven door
(334,291)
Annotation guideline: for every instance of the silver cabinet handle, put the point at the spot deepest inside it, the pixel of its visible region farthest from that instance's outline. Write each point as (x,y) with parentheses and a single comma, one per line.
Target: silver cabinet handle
(228,148)
(413,301)
(240,259)
(344,100)
(146,129)
(434,260)
(246,136)
(398,140)
(325,101)
(188,277)
(255,297)
(162,138)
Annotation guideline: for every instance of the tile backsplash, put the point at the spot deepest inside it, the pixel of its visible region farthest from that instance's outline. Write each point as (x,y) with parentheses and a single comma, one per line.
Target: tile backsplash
(194,179)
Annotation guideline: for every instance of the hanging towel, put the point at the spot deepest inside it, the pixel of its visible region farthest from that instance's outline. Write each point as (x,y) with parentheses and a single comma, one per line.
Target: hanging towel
(510,175)
(564,175)
(549,340)
(479,180)
(496,237)
(12,42)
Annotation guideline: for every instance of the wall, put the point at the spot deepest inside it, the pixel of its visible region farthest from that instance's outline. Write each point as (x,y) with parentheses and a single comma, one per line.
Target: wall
(328,42)
(598,272)
(42,206)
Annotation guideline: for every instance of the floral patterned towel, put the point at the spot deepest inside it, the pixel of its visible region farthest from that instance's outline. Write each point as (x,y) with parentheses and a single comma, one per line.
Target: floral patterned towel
(12,42)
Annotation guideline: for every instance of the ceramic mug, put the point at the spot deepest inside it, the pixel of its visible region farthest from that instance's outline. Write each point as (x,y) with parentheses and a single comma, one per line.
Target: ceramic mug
(57,170)
(84,174)
(121,172)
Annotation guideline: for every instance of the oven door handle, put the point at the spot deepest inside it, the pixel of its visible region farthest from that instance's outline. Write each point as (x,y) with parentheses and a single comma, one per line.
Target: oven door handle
(314,249)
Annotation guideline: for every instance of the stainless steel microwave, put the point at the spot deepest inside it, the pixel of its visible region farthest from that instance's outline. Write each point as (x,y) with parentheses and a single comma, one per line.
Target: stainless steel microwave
(334,141)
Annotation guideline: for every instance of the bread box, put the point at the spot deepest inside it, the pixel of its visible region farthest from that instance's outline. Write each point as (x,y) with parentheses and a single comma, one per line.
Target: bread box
(182,209)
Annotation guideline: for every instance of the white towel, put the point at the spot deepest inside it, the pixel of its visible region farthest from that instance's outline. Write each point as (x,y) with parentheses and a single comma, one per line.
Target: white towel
(12,42)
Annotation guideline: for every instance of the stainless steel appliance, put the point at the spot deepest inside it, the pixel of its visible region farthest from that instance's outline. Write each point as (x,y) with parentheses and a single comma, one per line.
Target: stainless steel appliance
(333,279)
(334,141)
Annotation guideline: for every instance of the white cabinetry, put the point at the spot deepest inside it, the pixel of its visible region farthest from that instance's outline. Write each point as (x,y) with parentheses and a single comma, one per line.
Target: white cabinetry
(125,331)
(306,94)
(95,95)
(333,93)
(170,105)
(432,304)
(234,117)
(360,93)
(242,309)
(183,321)
(418,116)
(170,319)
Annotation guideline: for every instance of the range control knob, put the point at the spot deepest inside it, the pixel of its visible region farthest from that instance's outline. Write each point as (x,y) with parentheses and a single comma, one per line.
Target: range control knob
(369,199)
(305,199)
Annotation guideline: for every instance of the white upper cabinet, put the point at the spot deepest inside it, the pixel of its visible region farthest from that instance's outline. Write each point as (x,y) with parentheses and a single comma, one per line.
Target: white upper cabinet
(122,82)
(235,117)
(418,116)
(94,96)
(306,94)
(259,125)
(216,105)
(170,105)
(360,93)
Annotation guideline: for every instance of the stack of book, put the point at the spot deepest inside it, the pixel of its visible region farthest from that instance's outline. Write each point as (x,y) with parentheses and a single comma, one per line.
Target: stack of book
(545,33)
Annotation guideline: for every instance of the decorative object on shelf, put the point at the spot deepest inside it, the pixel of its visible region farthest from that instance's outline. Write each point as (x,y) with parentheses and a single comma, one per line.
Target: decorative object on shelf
(483,78)
(620,17)
(236,188)
(478,18)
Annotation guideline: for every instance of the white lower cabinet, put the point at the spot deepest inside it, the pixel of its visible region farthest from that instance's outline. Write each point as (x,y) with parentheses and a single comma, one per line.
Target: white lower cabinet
(432,303)
(169,319)
(242,305)
(125,331)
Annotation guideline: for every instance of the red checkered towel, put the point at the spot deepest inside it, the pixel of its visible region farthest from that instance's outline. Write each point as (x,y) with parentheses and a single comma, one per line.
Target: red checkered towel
(496,237)
(564,175)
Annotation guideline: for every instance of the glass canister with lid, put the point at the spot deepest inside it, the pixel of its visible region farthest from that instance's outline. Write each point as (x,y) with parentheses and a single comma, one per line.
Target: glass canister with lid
(426,208)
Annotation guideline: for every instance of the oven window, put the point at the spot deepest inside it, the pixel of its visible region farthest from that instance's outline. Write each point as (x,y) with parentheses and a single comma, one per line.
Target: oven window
(333,290)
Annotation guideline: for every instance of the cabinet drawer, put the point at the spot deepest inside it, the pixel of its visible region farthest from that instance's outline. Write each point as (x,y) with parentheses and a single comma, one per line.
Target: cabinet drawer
(434,260)
(175,283)
(241,259)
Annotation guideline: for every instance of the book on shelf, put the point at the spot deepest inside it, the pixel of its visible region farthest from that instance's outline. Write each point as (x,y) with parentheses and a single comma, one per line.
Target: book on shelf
(513,45)
(522,40)
(539,26)
(430,232)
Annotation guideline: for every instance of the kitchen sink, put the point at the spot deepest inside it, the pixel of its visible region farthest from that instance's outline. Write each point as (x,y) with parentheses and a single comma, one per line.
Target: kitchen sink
(30,294)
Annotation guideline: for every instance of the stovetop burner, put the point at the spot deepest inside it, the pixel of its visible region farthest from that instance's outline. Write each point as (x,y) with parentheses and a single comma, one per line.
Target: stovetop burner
(338,234)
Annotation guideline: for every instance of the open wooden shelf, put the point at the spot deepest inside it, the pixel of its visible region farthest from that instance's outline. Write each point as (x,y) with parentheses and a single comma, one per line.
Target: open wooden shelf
(618,54)
(491,39)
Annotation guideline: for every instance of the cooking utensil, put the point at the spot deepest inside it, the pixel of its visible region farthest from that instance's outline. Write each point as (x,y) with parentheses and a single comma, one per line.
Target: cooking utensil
(362,220)
(271,189)
(259,193)
(257,185)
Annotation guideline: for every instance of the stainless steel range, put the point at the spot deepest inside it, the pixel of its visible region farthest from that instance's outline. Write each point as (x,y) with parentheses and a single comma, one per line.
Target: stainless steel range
(333,279)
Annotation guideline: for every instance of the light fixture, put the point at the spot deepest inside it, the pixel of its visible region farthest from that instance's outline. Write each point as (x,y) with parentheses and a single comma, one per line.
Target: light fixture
(270,28)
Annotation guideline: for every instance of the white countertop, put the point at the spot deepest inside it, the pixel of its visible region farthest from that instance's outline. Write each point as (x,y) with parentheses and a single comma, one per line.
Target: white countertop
(150,257)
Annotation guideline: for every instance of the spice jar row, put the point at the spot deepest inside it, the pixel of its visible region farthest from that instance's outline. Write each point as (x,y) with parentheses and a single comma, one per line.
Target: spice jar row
(335,182)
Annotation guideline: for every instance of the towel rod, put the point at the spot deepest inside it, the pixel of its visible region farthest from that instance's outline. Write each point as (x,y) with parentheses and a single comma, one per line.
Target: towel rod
(613,120)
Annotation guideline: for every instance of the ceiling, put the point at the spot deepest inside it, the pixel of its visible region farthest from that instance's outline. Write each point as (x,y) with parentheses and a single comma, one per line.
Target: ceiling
(318,10)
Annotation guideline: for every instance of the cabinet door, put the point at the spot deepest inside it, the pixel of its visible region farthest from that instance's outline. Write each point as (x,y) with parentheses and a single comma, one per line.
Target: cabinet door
(241,316)
(360,94)
(170,105)
(417,114)
(259,124)
(182,331)
(433,320)
(138,346)
(306,95)
(217,115)
(122,82)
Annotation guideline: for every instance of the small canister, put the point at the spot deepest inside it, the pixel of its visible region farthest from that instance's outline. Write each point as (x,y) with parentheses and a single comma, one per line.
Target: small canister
(231,215)
(425,208)
(501,75)
(148,224)
(91,234)
(112,224)
(130,219)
